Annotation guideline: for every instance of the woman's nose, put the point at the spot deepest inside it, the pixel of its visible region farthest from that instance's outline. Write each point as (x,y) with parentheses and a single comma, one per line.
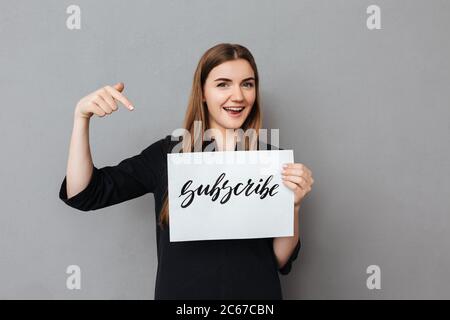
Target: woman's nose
(237,94)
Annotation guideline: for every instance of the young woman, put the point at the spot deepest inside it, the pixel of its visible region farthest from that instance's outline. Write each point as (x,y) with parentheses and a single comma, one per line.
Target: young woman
(226,79)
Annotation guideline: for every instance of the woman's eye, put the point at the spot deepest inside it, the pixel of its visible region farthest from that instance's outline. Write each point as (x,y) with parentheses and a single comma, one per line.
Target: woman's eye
(247,84)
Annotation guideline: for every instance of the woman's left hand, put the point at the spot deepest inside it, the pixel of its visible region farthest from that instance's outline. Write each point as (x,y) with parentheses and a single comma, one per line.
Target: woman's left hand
(298,178)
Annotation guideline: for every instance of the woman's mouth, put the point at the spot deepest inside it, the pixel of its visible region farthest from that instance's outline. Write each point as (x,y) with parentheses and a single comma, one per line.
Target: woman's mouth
(234,111)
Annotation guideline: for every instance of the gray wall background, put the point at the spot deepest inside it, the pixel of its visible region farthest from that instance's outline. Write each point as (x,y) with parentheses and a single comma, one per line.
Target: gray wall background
(367,111)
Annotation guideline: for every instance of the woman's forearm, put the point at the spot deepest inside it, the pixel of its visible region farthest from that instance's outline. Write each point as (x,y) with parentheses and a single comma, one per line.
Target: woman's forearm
(284,246)
(100,102)
(79,164)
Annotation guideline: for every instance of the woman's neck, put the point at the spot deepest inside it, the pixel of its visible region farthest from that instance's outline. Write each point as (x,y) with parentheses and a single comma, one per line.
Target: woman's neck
(225,142)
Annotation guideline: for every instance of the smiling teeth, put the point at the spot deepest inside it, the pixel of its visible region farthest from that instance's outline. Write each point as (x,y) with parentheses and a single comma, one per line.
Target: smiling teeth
(234,109)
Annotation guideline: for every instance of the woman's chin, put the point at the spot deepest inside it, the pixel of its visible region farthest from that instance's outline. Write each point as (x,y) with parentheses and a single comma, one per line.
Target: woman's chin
(233,124)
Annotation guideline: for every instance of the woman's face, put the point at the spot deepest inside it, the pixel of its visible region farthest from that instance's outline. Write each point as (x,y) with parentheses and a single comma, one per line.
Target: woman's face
(230,84)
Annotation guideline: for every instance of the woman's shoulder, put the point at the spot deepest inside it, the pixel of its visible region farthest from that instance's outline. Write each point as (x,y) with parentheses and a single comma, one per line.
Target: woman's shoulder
(162,145)
(170,142)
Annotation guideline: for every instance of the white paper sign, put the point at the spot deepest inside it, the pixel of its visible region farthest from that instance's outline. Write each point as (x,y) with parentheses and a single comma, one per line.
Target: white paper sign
(229,195)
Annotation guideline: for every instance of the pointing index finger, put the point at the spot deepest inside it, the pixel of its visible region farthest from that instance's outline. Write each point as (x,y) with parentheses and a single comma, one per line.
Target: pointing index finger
(120,97)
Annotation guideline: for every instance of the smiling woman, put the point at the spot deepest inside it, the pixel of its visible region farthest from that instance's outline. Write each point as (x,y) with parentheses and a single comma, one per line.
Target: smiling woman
(214,191)
(224,95)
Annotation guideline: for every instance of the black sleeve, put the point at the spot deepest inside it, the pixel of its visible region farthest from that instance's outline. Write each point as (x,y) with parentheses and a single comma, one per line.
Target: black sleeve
(287,267)
(131,178)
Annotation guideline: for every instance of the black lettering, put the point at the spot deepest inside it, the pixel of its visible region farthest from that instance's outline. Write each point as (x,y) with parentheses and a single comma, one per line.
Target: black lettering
(217,188)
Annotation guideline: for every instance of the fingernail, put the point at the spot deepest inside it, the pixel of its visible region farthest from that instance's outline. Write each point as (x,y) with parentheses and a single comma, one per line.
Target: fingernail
(131,107)
(285,166)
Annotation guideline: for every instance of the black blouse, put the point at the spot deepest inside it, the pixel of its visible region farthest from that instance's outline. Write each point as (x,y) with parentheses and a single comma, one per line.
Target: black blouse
(209,269)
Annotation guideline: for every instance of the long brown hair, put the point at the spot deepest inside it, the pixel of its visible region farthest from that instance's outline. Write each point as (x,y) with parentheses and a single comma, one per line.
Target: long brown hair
(197,110)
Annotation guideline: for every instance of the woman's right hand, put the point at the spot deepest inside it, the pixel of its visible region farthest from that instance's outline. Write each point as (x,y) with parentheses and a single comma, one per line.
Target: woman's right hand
(102,102)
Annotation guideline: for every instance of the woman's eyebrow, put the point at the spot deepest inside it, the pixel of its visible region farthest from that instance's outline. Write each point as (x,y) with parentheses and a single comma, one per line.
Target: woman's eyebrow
(225,79)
